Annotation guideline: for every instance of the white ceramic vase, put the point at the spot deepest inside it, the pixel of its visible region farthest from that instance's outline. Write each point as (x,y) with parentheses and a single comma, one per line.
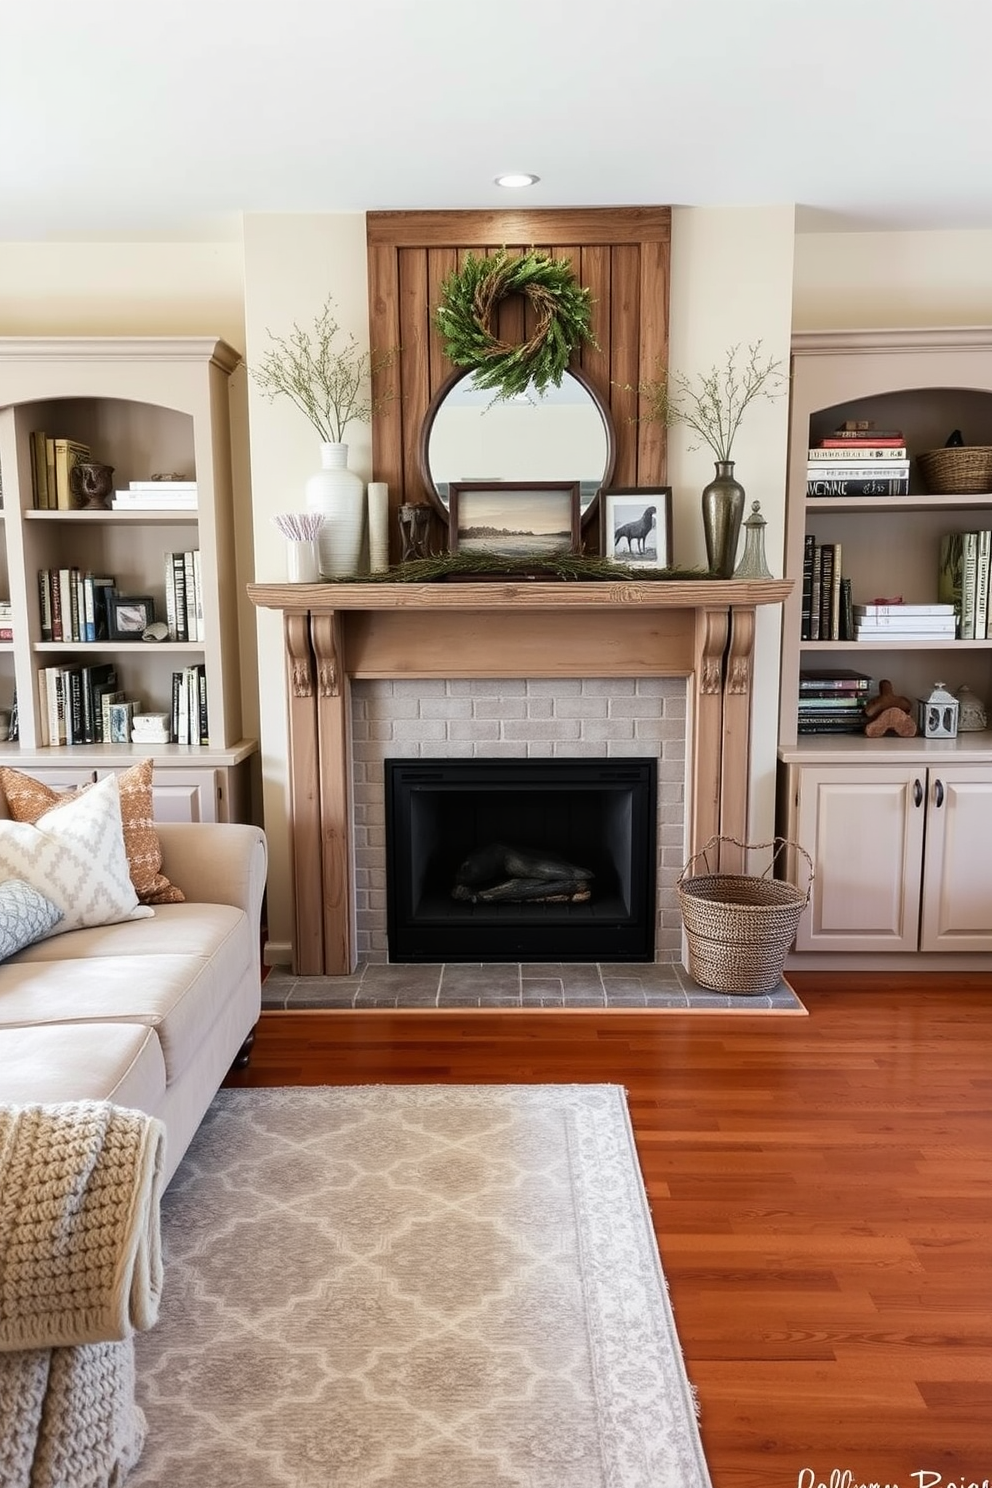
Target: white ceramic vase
(339,495)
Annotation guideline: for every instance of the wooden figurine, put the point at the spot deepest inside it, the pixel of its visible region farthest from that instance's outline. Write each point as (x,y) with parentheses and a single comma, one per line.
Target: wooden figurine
(889,713)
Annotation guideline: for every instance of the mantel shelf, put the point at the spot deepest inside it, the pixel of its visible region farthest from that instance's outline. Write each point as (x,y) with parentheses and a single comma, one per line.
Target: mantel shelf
(335,634)
(660,594)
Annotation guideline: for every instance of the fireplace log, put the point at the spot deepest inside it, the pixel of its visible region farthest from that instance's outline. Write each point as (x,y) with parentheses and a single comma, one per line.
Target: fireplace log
(533,877)
(528,890)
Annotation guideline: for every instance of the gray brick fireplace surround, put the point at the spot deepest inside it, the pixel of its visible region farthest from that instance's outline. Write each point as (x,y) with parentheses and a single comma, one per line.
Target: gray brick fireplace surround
(596,718)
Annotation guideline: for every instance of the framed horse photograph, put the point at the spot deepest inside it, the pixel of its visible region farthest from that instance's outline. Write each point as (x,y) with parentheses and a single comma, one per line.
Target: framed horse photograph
(637,526)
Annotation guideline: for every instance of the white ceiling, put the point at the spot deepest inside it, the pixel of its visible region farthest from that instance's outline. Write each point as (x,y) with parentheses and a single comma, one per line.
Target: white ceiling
(123,118)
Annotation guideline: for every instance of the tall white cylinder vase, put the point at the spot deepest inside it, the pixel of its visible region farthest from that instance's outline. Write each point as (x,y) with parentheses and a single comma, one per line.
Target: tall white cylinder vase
(378,495)
(339,495)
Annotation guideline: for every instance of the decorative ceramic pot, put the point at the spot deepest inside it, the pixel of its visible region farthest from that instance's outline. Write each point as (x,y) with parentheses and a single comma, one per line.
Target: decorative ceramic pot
(339,495)
(723,508)
(91,483)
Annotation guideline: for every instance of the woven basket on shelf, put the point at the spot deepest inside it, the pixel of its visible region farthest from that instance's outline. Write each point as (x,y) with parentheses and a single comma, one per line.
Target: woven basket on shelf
(958,470)
(739,927)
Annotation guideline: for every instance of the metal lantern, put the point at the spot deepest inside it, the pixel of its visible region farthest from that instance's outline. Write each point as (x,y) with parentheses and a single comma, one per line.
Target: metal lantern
(938,714)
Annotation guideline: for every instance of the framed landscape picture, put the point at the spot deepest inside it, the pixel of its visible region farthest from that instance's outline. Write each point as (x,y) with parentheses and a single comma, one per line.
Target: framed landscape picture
(516,519)
(637,526)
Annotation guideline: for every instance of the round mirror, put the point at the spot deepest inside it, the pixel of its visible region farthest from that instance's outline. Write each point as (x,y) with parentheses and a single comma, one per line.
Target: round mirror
(564,433)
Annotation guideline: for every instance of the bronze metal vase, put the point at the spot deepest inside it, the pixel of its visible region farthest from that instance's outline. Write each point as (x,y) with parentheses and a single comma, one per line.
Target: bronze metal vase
(723,509)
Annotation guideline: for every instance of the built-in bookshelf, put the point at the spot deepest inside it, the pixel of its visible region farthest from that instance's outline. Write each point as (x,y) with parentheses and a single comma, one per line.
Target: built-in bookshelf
(144,586)
(923,385)
(898,825)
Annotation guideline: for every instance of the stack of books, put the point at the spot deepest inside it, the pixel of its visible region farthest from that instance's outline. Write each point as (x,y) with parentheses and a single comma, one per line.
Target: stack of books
(826,594)
(832,700)
(964,581)
(156,495)
(73,604)
(184,596)
(904,622)
(858,460)
(74,703)
(52,462)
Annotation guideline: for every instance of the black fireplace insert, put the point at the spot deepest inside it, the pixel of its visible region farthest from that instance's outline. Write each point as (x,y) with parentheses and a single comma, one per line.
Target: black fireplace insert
(521,859)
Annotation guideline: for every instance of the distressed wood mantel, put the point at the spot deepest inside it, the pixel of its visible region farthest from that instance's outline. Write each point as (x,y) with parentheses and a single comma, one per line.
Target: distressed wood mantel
(700,629)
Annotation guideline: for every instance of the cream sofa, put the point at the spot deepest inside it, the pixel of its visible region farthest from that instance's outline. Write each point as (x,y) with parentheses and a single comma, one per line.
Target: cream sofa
(149,1013)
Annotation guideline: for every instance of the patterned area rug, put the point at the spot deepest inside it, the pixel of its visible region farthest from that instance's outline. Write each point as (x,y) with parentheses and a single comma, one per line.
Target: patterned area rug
(414,1286)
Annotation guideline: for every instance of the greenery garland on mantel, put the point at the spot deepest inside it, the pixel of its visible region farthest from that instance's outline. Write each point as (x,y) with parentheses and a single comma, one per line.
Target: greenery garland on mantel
(470,299)
(576,567)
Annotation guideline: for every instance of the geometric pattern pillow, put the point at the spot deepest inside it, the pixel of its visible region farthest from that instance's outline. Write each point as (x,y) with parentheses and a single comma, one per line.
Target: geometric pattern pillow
(25,916)
(28,799)
(75,856)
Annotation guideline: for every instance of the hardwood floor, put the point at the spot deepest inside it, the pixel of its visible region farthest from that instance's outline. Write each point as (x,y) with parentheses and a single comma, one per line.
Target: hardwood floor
(820,1192)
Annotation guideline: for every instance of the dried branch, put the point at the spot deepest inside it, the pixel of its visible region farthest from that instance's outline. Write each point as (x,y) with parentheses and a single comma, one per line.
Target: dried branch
(712,404)
(329,385)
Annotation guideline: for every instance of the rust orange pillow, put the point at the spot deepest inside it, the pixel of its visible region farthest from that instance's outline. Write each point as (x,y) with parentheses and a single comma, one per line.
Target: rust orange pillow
(27,799)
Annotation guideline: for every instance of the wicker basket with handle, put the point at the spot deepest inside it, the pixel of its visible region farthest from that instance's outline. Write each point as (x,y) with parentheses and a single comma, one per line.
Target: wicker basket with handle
(739,926)
(957,470)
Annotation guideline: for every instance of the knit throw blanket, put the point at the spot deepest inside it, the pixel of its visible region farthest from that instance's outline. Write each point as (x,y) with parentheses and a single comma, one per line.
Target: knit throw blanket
(80,1270)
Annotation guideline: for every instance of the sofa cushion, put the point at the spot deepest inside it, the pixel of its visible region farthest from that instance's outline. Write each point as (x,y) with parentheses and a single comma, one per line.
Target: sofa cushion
(25,916)
(173,973)
(28,799)
(121,1062)
(74,855)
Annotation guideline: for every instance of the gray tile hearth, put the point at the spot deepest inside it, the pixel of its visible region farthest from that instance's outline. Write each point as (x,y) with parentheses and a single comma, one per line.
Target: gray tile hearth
(525,985)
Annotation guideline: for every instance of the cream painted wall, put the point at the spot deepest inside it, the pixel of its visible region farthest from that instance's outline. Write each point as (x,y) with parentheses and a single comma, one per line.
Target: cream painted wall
(860,281)
(291,263)
(146,289)
(731,284)
(731,281)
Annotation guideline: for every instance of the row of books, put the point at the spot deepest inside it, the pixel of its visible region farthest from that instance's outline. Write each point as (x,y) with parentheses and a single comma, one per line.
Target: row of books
(189,705)
(858,460)
(74,604)
(75,703)
(52,461)
(827,613)
(832,700)
(84,705)
(184,596)
(6,620)
(157,495)
(964,581)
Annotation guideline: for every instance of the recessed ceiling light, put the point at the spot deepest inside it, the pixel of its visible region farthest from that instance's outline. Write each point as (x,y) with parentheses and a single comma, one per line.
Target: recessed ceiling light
(516,179)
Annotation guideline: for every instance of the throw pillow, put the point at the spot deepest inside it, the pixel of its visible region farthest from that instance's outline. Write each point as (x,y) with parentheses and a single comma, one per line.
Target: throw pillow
(75,856)
(25,916)
(27,799)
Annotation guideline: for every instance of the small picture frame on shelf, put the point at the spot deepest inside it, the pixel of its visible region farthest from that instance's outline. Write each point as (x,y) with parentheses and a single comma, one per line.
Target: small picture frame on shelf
(515,519)
(637,526)
(121,716)
(129,616)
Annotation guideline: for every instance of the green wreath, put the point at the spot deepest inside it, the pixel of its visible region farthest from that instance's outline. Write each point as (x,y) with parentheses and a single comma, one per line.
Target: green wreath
(470,297)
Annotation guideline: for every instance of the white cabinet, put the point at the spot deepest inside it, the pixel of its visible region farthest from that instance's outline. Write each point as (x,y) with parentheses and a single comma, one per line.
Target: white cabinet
(146,406)
(179,792)
(900,829)
(902,855)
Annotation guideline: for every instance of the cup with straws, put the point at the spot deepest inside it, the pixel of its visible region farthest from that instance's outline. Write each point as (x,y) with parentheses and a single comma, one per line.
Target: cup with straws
(300,529)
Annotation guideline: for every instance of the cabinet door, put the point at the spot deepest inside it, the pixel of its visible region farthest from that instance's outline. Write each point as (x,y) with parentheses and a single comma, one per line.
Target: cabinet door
(957,875)
(185,795)
(863,829)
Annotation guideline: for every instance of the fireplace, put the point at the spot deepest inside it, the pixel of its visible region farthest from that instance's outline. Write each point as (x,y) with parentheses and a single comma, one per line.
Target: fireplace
(338,635)
(520,859)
